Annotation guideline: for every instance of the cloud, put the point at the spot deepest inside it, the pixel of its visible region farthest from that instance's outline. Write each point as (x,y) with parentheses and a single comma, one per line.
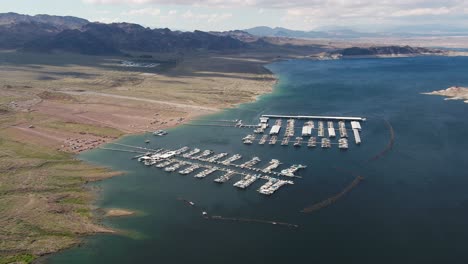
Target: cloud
(309,14)
(144,11)
(209,18)
(423,12)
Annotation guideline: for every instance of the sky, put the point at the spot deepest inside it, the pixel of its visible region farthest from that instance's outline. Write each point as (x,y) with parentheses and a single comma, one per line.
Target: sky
(219,15)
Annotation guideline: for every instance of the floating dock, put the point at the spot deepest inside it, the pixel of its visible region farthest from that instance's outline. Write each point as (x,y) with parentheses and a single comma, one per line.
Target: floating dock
(338,118)
(226,177)
(246,181)
(325,129)
(356,125)
(275,130)
(206,172)
(170,161)
(357,137)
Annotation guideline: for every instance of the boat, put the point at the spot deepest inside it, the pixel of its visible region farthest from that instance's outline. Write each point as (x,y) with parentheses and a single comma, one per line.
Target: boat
(273,140)
(343,143)
(290,171)
(206,172)
(160,133)
(249,139)
(263,140)
(274,163)
(298,142)
(326,143)
(312,143)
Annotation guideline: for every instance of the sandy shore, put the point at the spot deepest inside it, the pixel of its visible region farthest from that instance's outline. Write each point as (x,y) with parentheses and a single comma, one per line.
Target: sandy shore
(116,212)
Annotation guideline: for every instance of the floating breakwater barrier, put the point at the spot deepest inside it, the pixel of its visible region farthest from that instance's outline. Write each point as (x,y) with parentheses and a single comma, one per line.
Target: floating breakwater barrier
(333,199)
(208,216)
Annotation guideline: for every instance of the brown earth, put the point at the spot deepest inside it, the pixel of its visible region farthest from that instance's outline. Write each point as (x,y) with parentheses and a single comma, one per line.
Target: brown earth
(53,106)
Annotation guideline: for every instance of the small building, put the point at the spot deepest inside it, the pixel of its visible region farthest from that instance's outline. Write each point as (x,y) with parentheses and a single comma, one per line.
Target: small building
(331,132)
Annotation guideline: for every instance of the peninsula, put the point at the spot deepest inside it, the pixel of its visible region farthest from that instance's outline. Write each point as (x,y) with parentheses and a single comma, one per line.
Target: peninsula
(453,93)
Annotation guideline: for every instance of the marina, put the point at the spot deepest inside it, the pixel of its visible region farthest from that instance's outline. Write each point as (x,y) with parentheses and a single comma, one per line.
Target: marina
(173,160)
(325,127)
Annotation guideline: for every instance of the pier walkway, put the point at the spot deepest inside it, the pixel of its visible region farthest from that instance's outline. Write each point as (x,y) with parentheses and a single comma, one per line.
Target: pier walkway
(339,118)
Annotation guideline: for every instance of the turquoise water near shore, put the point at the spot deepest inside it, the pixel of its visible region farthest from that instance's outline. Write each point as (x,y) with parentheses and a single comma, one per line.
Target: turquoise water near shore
(411,208)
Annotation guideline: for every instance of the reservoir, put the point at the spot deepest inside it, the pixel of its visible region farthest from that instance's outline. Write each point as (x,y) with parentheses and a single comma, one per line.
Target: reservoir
(411,207)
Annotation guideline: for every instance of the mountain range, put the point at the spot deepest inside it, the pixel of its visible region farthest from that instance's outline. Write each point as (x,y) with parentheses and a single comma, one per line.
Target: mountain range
(45,33)
(345,33)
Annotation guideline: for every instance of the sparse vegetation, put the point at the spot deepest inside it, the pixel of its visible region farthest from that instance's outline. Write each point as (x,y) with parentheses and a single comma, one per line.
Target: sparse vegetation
(44,203)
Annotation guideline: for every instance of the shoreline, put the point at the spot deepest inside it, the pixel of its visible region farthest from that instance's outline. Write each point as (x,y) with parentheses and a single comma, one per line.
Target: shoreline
(119,212)
(39,116)
(271,82)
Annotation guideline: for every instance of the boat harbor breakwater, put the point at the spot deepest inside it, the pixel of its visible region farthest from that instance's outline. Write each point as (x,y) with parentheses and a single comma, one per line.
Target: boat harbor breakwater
(204,163)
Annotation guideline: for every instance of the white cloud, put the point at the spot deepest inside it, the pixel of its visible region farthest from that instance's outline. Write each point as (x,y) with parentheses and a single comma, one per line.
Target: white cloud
(144,11)
(307,14)
(209,18)
(422,12)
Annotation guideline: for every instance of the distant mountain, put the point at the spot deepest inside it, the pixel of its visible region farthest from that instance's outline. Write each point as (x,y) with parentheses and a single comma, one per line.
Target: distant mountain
(49,33)
(284,32)
(346,33)
(60,22)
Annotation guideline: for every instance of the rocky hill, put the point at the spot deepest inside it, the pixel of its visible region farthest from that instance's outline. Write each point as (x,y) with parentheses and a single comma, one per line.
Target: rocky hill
(60,22)
(50,33)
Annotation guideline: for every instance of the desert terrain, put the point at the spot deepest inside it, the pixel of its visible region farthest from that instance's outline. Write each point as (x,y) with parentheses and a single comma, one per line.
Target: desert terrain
(53,106)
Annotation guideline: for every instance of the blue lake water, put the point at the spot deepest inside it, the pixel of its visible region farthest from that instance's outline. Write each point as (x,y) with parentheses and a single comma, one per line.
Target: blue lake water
(412,206)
